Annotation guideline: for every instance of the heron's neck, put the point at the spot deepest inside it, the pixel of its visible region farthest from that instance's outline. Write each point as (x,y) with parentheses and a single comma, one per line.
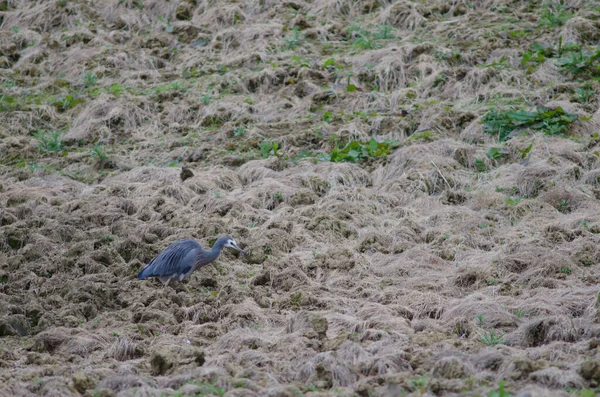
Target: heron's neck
(216,250)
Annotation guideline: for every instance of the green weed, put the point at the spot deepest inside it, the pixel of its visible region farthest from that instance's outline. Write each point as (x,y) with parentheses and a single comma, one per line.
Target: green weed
(296,299)
(365,42)
(294,39)
(525,152)
(549,121)
(90,79)
(205,99)
(67,102)
(268,148)
(496,153)
(480,165)
(383,32)
(554,15)
(501,392)
(479,320)
(491,338)
(419,383)
(518,313)
(239,131)
(580,63)
(49,141)
(584,93)
(356,151)
(422,136)
(116,89)
(302,62)
(511,201)
(207,389)
(563,206)
(98,152)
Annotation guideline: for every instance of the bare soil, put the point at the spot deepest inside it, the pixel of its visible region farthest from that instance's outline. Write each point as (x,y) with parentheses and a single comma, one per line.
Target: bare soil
(439,268)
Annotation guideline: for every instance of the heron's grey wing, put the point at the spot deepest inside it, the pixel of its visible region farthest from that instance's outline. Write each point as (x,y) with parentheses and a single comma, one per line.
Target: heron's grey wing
(177,258)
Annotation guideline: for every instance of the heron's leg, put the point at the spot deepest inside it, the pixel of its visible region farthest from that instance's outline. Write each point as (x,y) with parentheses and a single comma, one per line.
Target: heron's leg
(167,283)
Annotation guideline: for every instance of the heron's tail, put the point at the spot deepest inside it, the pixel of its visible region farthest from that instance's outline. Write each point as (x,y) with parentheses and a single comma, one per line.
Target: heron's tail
(144,273)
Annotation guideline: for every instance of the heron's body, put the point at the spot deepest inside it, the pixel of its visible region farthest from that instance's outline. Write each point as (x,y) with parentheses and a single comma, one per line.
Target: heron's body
(179,260)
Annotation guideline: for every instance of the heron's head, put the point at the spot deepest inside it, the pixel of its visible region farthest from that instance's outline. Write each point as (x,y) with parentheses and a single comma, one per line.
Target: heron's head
(229,242)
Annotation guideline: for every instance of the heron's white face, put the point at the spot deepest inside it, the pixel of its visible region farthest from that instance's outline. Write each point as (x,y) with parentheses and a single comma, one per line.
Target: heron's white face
(231,243)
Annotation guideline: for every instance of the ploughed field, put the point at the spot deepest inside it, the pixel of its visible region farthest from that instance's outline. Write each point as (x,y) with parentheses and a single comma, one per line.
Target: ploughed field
(416,184)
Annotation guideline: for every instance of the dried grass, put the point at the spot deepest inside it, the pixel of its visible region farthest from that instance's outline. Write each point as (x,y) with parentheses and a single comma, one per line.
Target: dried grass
(360,276)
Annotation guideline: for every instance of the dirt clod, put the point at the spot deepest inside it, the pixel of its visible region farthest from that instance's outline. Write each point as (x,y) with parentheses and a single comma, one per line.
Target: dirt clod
(161,362)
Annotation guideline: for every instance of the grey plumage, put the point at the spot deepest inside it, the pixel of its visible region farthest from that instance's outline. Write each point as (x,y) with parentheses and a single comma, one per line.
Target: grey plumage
(179,260)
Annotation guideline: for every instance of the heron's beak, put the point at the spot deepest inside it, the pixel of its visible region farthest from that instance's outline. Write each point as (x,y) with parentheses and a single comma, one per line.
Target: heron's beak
(234,245)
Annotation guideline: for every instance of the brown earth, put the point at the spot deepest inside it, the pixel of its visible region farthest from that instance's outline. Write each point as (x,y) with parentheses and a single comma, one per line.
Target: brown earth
(432,270)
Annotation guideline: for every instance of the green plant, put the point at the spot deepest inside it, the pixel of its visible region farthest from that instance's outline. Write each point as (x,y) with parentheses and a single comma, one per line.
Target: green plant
(480,165)
(518,313)
(296,299)
(501,392)
(205,99)
(563,206)
(364,42)
(554,15)
(496,153)
(90,79)
(49,141)
(294,39)
(584,93)
(580,62)
(98,152)
(419,383)
(278,196)
(566,270)
(67,102)
(239,131)
(355,151)
(167,22)
(491,338)
(207,389)
(548,121)
(116,89)
(525,152)
(479,320)
(302,62)
(383,32)
(268,148)
(512,200)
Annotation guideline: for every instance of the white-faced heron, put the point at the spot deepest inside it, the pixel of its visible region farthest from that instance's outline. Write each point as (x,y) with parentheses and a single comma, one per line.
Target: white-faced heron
(179,260)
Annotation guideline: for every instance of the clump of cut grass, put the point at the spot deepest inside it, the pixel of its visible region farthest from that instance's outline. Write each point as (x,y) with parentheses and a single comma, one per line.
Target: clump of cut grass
(549,121)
